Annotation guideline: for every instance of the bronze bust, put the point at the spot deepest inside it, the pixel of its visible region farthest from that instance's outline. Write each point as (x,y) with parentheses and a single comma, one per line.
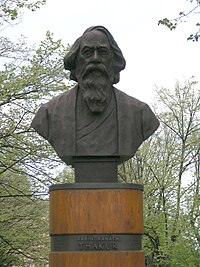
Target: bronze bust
(94,119)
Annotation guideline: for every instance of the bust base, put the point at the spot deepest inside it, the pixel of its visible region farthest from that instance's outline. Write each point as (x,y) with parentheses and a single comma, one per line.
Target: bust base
(95,169)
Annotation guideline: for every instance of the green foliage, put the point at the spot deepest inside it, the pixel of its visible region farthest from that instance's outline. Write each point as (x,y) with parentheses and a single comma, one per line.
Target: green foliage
(23,223)
(28,78)
(168,165)
(23,88)
(194,37)
(182,17)
(66,176)
(11,10)
(168,23)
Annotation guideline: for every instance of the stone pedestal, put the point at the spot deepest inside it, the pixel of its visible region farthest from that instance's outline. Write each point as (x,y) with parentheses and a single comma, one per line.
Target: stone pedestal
(96,225)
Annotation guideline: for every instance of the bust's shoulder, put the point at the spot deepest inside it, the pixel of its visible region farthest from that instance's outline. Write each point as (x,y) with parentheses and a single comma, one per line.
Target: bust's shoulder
(67,96)
(124,99)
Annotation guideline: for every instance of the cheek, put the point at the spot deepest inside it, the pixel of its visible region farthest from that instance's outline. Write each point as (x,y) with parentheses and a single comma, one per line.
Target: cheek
(80,64)
(108,60)
(109,64)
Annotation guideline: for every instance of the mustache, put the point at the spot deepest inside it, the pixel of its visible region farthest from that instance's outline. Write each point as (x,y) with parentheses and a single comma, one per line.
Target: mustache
(95,67)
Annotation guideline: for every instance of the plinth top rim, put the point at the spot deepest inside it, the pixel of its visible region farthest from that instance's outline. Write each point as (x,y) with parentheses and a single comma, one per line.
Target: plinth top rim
(88,186)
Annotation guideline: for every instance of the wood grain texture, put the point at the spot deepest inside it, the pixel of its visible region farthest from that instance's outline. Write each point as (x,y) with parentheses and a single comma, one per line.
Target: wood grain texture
(97,259)
(96,211)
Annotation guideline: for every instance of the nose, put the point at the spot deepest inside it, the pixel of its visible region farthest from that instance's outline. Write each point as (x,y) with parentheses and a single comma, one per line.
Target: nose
(96,57)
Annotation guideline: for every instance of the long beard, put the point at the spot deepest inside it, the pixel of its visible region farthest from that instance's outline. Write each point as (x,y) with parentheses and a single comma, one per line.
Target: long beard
(96,90)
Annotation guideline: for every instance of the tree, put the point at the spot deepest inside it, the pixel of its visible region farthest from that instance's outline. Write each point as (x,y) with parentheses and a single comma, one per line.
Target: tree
(168,165)
(23,223)
(26,159)
(24,87)
(11,13)
(28,77)
(11,10)
(183,16)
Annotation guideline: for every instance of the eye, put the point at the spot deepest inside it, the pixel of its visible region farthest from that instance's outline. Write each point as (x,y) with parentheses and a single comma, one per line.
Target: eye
(87,52)
(103,51)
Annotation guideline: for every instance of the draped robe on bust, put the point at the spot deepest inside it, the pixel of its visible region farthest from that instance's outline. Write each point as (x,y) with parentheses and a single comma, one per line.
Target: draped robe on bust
(118,131)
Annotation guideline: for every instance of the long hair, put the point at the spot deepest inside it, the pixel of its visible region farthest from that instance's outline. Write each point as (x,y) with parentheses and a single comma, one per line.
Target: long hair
(71,57)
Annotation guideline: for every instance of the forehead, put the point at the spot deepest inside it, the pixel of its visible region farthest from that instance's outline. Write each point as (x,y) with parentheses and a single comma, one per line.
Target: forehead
(94,38)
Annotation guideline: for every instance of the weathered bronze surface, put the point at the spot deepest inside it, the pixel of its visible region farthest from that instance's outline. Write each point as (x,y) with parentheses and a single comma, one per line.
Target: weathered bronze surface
(94,119)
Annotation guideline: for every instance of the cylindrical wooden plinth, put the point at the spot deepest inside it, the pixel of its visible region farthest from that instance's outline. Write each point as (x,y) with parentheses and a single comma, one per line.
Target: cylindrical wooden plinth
(96,225)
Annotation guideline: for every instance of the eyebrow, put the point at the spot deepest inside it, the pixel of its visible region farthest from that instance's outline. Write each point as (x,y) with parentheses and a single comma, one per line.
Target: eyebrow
(91,46)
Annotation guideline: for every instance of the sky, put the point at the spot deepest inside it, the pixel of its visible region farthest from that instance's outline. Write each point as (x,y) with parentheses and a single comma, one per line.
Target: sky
(155,56)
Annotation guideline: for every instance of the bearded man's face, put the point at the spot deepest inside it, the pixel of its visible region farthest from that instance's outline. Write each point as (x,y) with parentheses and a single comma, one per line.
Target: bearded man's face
(94,70)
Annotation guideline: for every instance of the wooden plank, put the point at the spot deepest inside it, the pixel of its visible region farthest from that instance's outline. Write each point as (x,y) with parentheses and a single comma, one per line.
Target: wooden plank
(97,259)
(96,211)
